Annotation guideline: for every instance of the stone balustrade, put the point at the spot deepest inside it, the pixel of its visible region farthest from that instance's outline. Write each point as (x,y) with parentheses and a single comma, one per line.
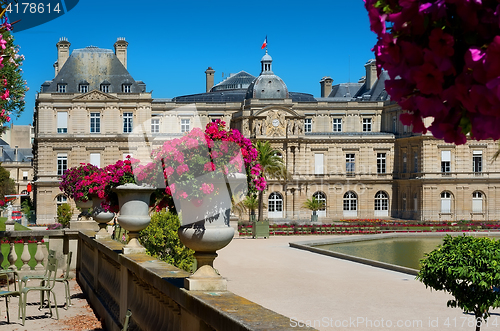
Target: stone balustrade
(61,241)
(153,290)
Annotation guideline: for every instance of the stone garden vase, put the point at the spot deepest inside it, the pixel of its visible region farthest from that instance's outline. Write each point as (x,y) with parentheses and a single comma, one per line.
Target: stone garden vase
(206,235)
(134,213)
(102,217)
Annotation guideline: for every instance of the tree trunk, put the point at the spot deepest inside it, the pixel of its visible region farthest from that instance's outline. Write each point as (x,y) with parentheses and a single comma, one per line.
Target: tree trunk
(261,206)
(478,320)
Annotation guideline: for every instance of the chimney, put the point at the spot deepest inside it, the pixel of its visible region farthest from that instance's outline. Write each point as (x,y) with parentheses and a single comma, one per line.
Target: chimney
(326,86)
(210,78)
(62,53)
(121,51)
(371,73)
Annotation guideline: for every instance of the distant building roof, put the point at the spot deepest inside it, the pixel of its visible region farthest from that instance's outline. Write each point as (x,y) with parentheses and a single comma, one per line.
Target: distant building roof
(241,80)
(94,66)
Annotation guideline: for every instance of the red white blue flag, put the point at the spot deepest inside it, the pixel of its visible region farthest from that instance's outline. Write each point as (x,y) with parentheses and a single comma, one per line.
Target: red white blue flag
(264,44)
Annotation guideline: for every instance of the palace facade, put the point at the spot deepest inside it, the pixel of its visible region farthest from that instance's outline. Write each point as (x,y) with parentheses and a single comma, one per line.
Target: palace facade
(346,148)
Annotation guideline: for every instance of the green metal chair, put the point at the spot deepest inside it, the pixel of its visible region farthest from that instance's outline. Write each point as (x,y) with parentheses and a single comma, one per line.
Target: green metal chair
(127,318)
(46,285)
(65,279)
(7,295)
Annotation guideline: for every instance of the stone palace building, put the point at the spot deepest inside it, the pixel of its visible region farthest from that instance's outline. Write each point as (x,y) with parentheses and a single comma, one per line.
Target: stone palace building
(346,148)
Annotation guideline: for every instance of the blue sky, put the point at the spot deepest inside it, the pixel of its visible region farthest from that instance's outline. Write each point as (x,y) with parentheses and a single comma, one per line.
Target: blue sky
(171,43)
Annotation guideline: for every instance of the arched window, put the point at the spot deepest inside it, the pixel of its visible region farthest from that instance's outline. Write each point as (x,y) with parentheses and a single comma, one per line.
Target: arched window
(381,204)
(445,202)
(477,202)
(350,204)
(275,205)
(320,196)
(60,199)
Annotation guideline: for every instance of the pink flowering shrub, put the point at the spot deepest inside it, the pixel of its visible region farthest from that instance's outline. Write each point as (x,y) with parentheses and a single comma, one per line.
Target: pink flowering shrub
(443,62)
(196,159)
(77,183)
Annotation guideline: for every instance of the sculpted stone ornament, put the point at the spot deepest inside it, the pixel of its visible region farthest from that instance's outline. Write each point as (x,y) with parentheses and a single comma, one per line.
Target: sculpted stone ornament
(95,95)
(275,124)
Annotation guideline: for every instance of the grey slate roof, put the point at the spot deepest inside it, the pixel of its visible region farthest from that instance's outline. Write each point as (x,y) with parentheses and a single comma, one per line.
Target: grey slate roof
(233,96)
(377,92)
(95,66)
(345,90)
(241,80)
(11,155)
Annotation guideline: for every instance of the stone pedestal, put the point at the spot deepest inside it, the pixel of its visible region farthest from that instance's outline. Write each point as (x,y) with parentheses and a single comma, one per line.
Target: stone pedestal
(9,225)
(205,279)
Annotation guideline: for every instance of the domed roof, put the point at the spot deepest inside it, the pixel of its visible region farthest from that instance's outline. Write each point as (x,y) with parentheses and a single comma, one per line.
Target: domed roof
(267,85)
(241,80)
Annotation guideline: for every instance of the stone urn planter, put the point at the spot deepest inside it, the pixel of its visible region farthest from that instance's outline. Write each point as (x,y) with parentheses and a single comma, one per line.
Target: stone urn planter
(134,213)
(102,217)
(206,229)
(84,205)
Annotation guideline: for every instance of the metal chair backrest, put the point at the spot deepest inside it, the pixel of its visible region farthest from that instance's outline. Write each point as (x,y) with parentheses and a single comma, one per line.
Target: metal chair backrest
(50,279)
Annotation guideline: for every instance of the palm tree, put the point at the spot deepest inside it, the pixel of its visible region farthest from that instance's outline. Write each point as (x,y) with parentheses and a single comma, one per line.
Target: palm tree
(313,204)
(272,167)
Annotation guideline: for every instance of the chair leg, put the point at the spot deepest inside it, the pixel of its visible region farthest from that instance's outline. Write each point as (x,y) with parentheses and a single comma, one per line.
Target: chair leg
(7,308)
(24,307)
(68,294)
(55,302)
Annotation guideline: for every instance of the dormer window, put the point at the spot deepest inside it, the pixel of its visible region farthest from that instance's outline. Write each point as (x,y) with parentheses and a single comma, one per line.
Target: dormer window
(104,86)
(61,88)
(126,88)
(83,88)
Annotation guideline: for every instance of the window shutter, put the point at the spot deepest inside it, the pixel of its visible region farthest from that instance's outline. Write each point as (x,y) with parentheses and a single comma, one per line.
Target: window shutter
(318,164)
(95,159)
(62,119)
(445,156)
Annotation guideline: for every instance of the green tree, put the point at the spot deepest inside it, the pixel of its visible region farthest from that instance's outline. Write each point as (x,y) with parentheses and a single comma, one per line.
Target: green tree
(64,214)
(12,86)
(7,185)
(162,242)
(273,167)
(469,269)
(313,204)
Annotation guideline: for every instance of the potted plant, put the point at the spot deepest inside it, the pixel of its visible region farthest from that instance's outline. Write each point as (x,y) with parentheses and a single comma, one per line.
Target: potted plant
(314,205)
(76,183)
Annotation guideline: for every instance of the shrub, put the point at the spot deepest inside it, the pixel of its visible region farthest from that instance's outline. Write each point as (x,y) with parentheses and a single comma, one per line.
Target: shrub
(161,241)
(64,214)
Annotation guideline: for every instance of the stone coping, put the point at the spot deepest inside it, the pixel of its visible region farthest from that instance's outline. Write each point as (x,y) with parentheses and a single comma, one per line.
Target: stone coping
(310,246)
(221,310)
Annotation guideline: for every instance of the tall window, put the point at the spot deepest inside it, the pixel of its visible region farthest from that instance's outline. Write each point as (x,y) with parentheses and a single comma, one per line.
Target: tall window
(127,122)
(61,88)
(84,88)
(25,175)
(308,125)
(415,202)
(95,159)
(185,125)
(381,204)
(404,163)
(477,161)
(445,162)
(394,124)
(350,164)
(155,125)
(446,202)
(95,122)
(367,124)
(126,88)
(104,88)
(350,204)
(337,125)
(415,161)
(404,202)
(275,205)
(477,202)
(318,164)
(62,163)
(62,122)
(321,197)
(381,163)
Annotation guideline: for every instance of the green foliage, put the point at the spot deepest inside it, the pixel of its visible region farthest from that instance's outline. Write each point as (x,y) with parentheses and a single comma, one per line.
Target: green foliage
(469,269)
(27,207)
(313,204)
(64,214)
(7,184)
(272,167)
(161,240)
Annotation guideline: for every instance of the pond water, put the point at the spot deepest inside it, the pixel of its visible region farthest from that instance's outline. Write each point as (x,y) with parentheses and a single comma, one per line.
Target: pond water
(406,252)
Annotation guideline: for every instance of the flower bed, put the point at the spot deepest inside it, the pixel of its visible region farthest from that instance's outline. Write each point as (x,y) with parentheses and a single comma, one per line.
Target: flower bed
(367,226)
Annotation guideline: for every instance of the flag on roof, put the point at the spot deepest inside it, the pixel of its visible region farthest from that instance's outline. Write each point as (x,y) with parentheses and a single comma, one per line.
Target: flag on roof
(264,44)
